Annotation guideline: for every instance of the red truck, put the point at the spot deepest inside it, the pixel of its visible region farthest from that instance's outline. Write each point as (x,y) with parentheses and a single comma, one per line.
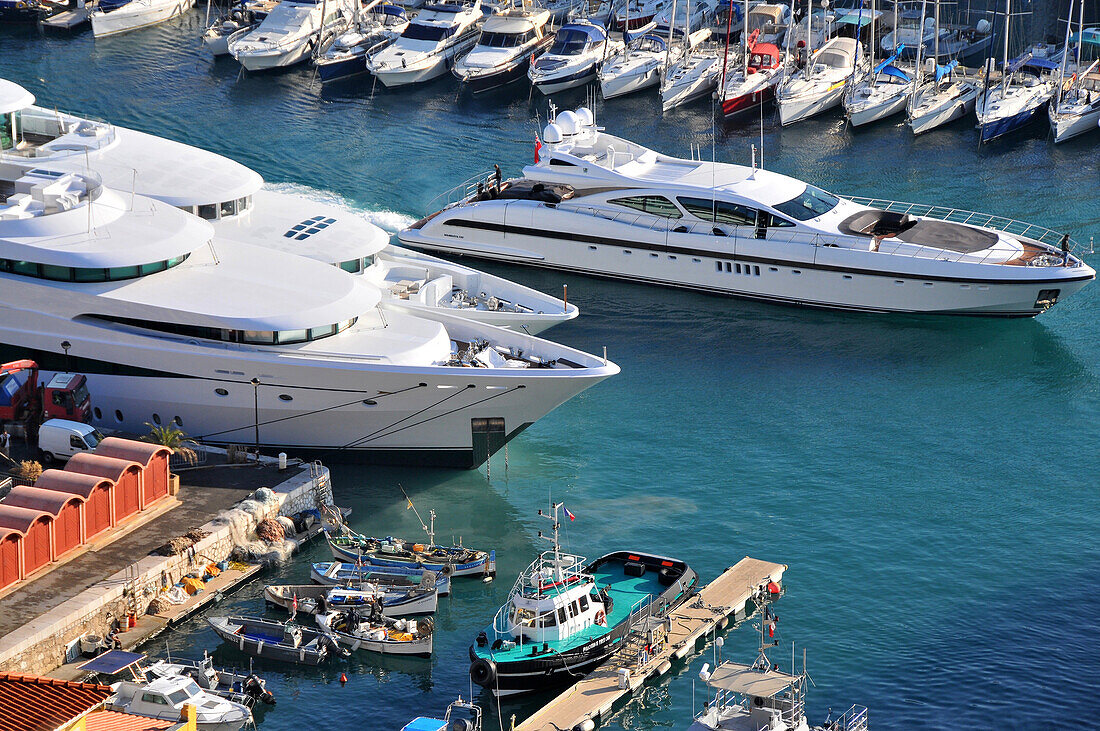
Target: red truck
(23,400)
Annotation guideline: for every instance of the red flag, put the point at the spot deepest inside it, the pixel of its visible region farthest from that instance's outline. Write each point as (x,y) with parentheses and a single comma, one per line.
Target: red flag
(538,148)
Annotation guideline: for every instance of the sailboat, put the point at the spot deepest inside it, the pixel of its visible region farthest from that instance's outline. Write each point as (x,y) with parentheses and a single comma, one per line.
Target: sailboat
(1075,108)
(947,96)
(884,91)
(763,67)
(695,74)
(647,56)
(1025,88)
(820,85)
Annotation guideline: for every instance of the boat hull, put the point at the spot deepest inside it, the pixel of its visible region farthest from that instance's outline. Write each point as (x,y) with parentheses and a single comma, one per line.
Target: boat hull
(350,575)
(343,68)
(944,112)
(140,16)
(1066,127)
(267,60)
(733,106)
(395,602)
(868,113)
(554,84)
(262,638)
(623,84)
(419,647)
(998,127)
(480,567)
(487,81)
(797,108)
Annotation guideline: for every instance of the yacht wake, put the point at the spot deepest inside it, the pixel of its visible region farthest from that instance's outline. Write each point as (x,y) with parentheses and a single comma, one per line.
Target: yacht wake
(389,221)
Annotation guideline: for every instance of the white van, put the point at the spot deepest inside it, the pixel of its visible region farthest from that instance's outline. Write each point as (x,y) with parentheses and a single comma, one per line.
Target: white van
(61,439)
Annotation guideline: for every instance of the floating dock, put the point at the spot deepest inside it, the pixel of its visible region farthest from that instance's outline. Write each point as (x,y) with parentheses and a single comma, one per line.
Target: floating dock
(591,700)
(67,20)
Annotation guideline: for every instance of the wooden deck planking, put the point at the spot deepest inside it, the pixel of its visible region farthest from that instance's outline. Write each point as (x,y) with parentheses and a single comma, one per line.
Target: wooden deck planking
(594,696)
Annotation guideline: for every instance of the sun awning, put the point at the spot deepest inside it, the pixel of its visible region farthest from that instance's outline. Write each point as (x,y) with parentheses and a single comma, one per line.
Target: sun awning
(114,661)
(748,681)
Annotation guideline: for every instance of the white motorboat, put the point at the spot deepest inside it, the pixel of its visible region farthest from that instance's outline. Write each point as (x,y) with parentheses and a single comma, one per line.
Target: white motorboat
(1020,96)
(241,344)
(110,17)
(373,27)
(603,205)
(441,32)
(165,697)
(574,59)
(948,96)
(1075,108)
(460,716)
(819,86)
(245,14)
(292,32)
(761,697)
(510,40)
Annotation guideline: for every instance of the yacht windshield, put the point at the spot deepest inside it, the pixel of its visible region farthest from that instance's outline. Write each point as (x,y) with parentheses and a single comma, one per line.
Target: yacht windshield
(812,203)
(569,43)
(417,32)
(503,40)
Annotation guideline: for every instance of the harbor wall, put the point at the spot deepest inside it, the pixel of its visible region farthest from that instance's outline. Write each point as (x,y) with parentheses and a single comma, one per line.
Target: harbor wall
(40,646)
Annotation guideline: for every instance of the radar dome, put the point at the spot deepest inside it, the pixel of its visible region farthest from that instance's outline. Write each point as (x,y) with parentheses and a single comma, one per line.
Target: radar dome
(568,122)
(983,26)
(551,134)
(585,117)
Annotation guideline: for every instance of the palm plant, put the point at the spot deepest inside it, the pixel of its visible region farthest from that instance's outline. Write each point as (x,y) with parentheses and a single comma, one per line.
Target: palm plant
(173,438)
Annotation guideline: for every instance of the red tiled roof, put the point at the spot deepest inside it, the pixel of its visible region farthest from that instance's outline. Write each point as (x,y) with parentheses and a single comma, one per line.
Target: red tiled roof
(115,721)
(32,703)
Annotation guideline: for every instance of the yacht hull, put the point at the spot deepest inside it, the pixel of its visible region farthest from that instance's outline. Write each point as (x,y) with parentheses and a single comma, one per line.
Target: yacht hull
(816,277)
(487,81)
(264,61)
(797,108)
(735,105)
(344,68)
(623,84)
(998,127)
(950,109)
(216,43)
(127,18)
(1067,126)
(554,84)
(868,113)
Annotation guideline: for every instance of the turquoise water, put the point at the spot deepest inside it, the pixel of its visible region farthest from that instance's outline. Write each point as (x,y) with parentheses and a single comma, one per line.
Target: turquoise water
(932,483)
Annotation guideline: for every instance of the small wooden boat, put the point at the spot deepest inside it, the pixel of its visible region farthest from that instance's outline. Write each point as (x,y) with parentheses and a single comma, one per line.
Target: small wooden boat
(318,599)
(348,545)
(284,641)
(375,633)
(336,573)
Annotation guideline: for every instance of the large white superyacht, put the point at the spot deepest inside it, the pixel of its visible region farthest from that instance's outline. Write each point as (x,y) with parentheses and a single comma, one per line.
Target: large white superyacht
(603,205)
(240,344)
(233,199)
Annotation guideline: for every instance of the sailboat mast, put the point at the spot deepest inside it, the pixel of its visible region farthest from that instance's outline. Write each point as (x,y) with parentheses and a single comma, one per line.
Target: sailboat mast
(936,47)
(726,57)
(671,27)
(1065,57)
(744,36)
(1004,69)
(920,45)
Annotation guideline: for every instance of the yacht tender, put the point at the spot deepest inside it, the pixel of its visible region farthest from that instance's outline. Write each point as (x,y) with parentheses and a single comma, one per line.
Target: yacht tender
(603,205)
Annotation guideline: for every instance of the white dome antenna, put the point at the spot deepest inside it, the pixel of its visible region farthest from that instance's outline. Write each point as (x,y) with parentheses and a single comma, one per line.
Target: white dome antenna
(568,122)
(585,117)
(552,134)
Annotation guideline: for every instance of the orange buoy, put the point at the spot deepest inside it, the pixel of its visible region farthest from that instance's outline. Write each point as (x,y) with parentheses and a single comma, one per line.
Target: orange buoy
(343,678)
(773,588)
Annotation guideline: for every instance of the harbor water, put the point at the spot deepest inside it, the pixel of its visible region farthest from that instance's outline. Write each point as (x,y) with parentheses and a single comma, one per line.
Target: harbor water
(931,482)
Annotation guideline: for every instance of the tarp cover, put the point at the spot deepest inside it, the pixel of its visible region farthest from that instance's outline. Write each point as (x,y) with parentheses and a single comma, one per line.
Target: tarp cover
(747,681)
(112,662)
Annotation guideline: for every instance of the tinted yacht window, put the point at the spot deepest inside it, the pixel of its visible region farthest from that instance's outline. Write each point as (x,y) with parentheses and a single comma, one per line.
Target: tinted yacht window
(812,203)
(655,205)
(719,211)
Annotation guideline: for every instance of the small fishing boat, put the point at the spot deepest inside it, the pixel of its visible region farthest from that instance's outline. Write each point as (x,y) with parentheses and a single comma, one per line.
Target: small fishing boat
(292,32)
(317,598)
(760,697)
(820,85)
(565,617)
(110,17)
(460,716)
(164,698)
(284,641)
(397,553)
(242,15)
(336,573)
(378,24)
(575,57)
(374,632)
(510,40)
(441,32)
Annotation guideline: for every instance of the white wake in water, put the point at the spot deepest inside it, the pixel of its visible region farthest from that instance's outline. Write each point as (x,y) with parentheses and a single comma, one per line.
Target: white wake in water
(388,221)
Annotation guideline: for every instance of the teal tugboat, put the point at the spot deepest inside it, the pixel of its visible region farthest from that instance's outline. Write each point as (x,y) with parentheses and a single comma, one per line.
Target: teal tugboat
(565,617)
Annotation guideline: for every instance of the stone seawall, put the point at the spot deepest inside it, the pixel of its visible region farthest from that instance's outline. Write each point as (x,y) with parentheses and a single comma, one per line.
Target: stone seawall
(40,645)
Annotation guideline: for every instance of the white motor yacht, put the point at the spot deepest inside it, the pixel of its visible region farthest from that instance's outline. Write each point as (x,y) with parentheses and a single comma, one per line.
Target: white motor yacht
(293,31)
(164,698)
(819,86)
(174,322)
(603,205)
(441,32)
(245,14)
(579,50)
(948,96)
(636,14)
(373,27)
(510,40)
(771,20)
(110,17)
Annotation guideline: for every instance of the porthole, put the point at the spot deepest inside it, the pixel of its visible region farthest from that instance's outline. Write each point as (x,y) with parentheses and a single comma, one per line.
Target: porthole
(98,413)
(178,421)
(627,251)
(654,255)
(221,392)
(591,248)
(773,269)
(927,284)
(796,271)
(847,276)
(285,397)
(899,282)
(156,419)
(369,402)
(695,260)
(118,416)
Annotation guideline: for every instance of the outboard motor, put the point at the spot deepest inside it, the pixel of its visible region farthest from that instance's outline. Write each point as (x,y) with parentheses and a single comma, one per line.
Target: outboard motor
(255,687)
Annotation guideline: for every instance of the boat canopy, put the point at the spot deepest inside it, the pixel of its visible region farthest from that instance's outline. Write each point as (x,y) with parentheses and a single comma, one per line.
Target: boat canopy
(1027,60)
(860,19)
(749,681)
(1089,36)
(391,9)
(13,97)
(654,38)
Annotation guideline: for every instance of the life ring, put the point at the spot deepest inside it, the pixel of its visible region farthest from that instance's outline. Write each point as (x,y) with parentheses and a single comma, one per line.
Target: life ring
(448,569)
(601,618)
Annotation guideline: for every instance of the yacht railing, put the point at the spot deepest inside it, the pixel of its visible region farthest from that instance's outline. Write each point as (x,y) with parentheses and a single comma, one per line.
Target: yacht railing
(461,192)
(969,218)
(854,719)
(891,246)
